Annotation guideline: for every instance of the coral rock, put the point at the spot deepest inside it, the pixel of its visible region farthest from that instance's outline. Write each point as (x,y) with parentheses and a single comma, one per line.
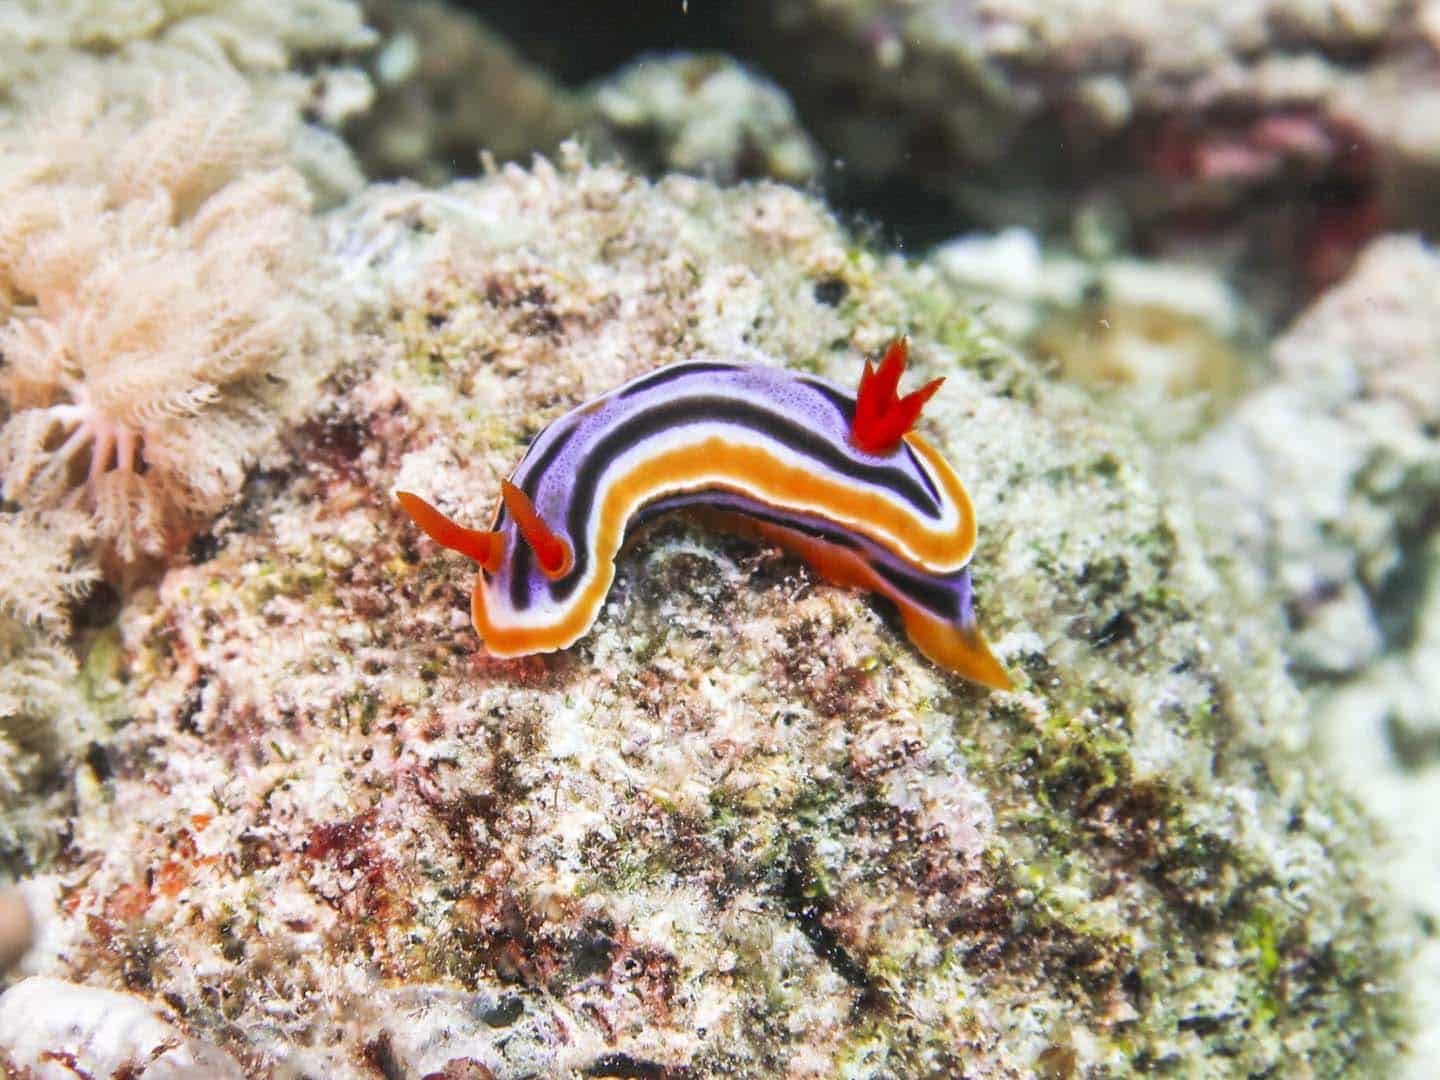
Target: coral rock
(741,827)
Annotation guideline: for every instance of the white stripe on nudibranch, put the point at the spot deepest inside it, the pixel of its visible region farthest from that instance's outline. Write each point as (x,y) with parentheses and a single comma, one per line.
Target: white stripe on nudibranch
(841,481)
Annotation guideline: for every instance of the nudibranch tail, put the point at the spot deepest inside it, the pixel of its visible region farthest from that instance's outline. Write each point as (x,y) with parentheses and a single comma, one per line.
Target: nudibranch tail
(882,417)
(485,547)
(962,650)
(956,643)
(551,552)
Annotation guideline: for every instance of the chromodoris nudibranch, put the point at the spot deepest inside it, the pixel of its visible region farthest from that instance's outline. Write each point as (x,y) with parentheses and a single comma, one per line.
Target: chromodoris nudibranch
(842,481)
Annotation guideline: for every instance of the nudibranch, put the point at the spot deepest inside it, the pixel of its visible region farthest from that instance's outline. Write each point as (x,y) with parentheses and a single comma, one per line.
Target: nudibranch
(840,480)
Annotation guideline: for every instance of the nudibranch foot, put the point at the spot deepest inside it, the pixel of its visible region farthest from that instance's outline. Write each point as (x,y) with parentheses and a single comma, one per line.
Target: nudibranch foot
(938,612)
(960,649)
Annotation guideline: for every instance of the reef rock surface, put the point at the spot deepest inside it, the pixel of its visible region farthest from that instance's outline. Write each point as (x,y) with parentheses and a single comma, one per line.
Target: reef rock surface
(741,828)
(1327,481)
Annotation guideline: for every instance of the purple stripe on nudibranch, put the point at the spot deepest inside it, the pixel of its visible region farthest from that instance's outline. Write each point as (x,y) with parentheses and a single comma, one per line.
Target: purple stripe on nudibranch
(843,482)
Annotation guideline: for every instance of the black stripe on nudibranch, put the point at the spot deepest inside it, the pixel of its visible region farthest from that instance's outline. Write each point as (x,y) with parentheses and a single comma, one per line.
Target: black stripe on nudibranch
(937,595)
(670,374)
(844,403)
(735,503)
(530,483)
(520,570)
(923,471)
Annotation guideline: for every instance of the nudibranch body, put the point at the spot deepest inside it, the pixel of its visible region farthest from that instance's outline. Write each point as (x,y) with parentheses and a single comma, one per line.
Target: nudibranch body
(841,481)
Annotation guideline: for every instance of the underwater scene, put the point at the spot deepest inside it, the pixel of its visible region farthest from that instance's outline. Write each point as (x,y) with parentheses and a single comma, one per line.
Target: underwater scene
(866,539)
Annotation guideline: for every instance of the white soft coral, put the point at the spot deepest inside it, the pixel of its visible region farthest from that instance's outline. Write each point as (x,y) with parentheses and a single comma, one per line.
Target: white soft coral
(157,314)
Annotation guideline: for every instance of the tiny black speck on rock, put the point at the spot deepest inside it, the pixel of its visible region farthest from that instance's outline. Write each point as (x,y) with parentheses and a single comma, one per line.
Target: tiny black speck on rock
(830,291)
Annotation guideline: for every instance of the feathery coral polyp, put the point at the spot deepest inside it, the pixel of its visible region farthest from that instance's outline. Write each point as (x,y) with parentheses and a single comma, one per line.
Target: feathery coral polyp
(149,316)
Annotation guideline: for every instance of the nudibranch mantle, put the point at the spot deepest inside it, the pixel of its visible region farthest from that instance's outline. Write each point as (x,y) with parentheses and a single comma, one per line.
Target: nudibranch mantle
(765,450)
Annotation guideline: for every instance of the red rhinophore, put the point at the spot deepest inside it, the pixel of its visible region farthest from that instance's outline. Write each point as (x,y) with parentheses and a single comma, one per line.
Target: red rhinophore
(551,552)
(483,546)
(881,417)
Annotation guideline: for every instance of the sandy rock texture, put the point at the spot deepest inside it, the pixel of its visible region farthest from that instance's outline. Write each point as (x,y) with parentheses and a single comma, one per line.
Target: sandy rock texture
(1327,482)
(1328,476)
(274,811)
(1317,488)
(53,1029)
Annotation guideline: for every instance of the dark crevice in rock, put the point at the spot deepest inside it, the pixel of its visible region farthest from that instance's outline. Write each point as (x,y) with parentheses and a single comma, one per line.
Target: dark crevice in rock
(600,38)
(809,907)
(1398,600)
